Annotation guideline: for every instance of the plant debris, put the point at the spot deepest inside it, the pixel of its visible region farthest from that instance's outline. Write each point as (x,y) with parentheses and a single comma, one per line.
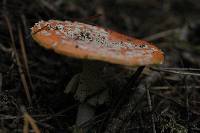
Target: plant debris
(167,102)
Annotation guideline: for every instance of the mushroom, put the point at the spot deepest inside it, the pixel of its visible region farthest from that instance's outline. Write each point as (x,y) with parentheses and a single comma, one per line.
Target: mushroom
(94,45)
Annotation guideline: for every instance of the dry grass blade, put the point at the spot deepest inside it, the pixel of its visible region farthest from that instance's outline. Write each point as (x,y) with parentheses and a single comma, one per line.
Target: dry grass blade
(29,120)
(26,126)
(168,88)
(40,29)
(4,49)
(49,5)
(24,55)
(1,79)
(37,31)
(161,34)
(23,77)
(174,71)
(182,69)
(150,109)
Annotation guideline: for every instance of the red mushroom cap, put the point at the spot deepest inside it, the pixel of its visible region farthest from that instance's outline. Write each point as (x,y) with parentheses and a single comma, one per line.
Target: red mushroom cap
(85,41)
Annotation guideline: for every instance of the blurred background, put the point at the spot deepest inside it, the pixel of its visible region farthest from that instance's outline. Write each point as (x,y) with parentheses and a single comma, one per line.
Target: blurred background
(172,25)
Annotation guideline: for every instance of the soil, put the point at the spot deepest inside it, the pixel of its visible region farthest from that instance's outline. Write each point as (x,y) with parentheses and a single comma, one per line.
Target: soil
(170,102)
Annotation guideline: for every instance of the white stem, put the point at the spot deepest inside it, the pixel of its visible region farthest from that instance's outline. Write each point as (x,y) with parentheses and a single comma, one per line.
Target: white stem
(85,113)
(90,83)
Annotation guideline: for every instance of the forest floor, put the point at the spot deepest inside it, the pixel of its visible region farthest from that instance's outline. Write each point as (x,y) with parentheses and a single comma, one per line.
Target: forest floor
(171,100)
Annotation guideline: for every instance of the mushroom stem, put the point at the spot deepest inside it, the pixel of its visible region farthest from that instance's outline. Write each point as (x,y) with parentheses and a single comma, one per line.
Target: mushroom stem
(84,114)
(90,91)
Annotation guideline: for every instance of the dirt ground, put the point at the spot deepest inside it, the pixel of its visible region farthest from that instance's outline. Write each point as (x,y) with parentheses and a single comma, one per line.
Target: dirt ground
(33,80)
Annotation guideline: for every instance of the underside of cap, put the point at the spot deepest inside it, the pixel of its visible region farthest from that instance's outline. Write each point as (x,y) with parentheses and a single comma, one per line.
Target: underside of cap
(85,41)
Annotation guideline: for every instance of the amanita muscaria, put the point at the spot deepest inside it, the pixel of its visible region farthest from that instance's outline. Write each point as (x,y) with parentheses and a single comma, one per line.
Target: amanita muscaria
(94,45)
